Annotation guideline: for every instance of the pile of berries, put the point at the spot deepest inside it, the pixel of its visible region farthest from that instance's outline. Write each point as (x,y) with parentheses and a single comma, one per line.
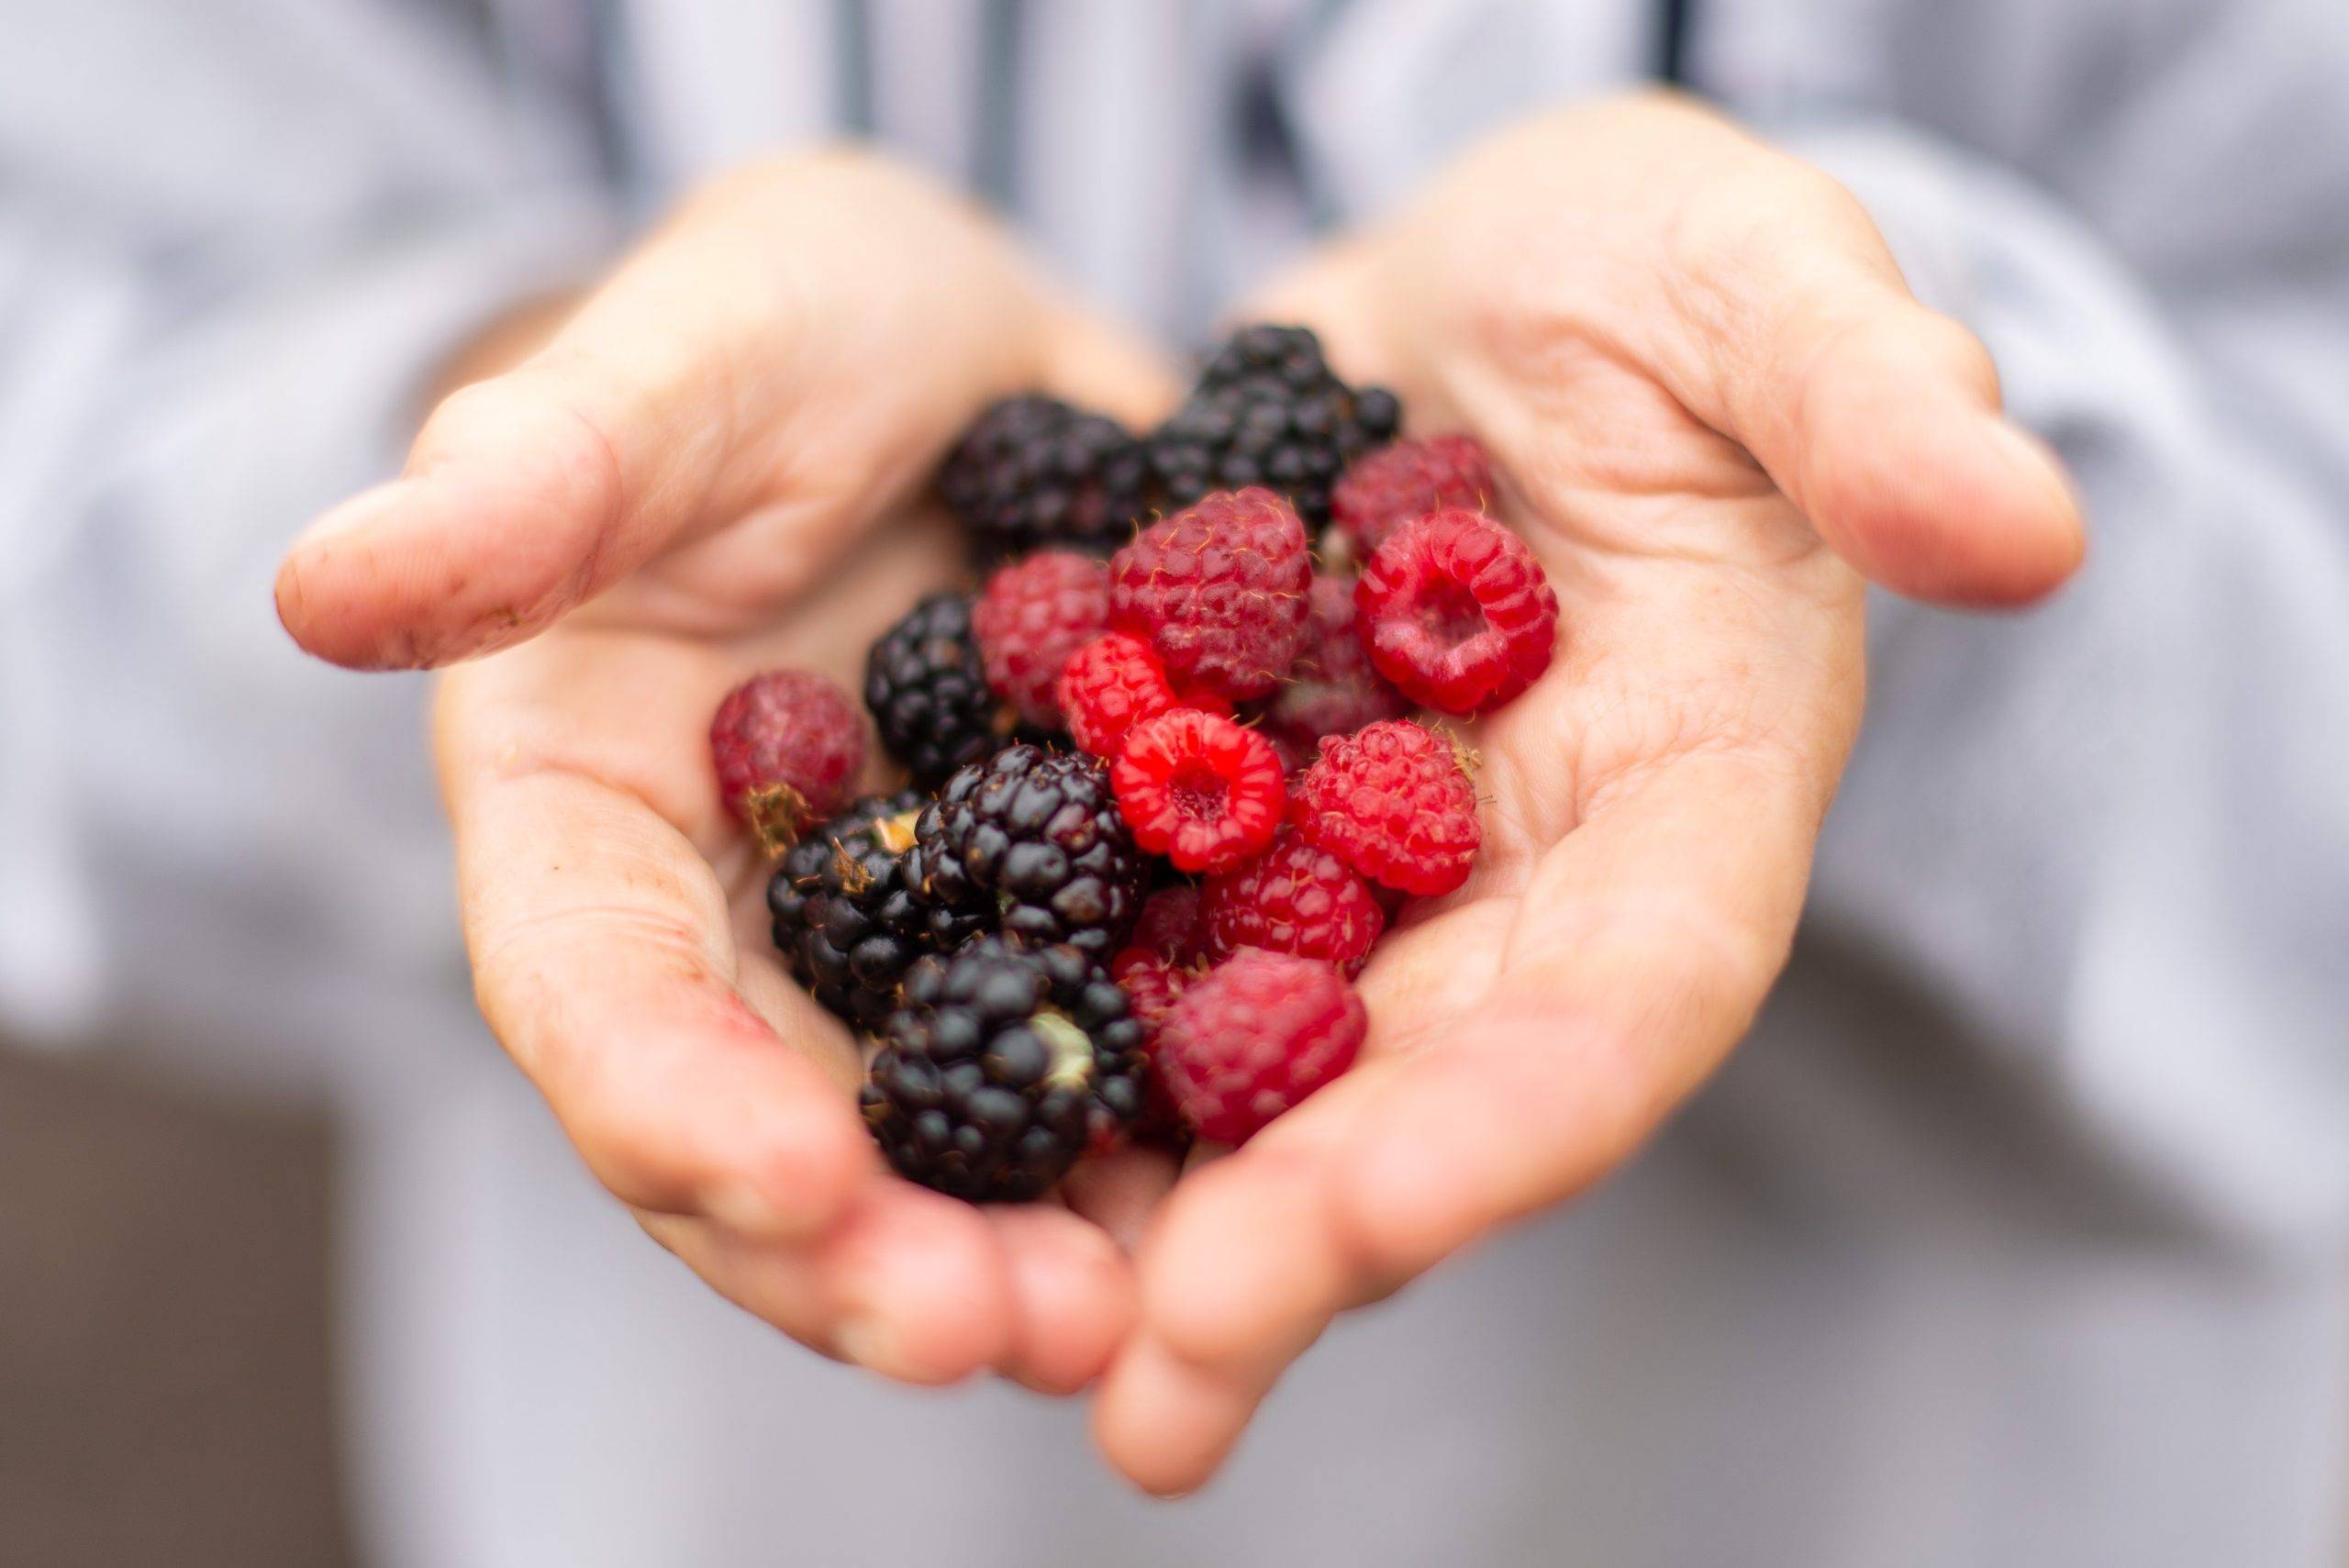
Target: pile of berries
(1164,803)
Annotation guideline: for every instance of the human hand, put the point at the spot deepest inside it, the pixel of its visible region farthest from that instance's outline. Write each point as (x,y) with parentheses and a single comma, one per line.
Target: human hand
(1714,408)
(686,486)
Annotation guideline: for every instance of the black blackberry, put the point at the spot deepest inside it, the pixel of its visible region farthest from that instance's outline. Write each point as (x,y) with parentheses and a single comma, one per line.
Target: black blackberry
(1267,410)
(845,918)
(1032,841)
(1033,473)
(928,693)
(1005,1064)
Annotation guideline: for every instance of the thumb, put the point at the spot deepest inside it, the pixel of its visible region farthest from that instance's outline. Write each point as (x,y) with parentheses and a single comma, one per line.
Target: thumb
(785,346)
(1881,419)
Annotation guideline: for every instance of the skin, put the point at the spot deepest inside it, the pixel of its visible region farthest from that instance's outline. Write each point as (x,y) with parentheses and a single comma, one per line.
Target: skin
(1716,412)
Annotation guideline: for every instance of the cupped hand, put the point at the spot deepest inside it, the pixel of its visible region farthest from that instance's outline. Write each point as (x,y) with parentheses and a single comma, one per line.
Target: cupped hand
(685,485)
(1714,410)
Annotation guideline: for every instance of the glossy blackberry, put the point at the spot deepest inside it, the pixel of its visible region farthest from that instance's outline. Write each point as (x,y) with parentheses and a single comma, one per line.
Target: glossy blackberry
(845,919)
(927,691)
(1267,410)
(1032,841)
(1033,473)
(1002,1065)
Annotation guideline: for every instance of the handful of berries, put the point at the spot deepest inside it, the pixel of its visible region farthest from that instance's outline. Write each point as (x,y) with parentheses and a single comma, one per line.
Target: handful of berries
(1167,801)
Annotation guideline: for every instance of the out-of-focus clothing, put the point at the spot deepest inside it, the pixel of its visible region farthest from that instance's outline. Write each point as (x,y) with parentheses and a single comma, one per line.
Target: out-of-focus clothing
(2016,1233)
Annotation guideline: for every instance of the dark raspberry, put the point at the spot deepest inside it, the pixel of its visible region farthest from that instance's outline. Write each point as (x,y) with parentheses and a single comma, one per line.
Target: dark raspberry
(1457,611)
(1005,1064)
(1408,480)
(1267,410)
(1218,591)
(1295,897)
(1331,688)
(1032,614)
(845,918)
(1396,802)
(1169,925)
(1032,473)
(1202,790)
(929,691)
(1030,840)
(1253,1039)
(788,745)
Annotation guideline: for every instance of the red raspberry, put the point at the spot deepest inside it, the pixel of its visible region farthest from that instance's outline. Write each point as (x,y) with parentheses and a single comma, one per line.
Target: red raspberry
(1032,616)
(1112,683)
(1169,925)
(1331,689)
(1151,981)
(1457,612)
(1199,789)
(1395,802)
(1295,897)
(1408,480)
(788,745)
(1219,592)
(1253,1038)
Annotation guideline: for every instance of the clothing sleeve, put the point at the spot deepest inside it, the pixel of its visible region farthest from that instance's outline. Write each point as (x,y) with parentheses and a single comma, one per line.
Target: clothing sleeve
(235,243)
(2110,835)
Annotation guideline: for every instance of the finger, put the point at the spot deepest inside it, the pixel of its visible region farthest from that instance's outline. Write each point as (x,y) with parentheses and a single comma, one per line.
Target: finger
(1792,332)
(1119,1190)
(1644,943)
(783,345)
(1072,1293)
(602,961)
(911,1285)
(1166,1423)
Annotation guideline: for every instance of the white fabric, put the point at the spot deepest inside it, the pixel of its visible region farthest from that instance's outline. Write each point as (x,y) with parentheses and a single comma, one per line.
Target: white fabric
(2014,1236)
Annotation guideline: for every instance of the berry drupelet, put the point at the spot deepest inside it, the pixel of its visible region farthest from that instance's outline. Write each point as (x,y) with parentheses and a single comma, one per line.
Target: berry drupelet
(928,689)
(1005,1064)
(1269,411)
(1032,473)
(1031,842)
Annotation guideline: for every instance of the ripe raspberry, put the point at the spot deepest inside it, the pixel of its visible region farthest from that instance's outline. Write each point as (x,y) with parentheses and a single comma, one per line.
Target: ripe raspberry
(1395,802)
(1032,616)
(1295,897)
(788,745)
(1331,689)
(1253,1038)
(1151,981)
(1408,480)
(1169,925)
(1110,685)
(1202,790)
(1032,472)
(1219,592)
(1456,612)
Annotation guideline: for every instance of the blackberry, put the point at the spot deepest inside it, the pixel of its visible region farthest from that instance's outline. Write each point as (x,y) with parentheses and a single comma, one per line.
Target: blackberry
(928,690)
(1268,410)
(846,920)
(1032,473)
(1005,1064)
(1031,841)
